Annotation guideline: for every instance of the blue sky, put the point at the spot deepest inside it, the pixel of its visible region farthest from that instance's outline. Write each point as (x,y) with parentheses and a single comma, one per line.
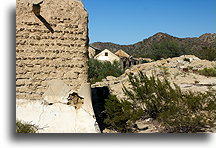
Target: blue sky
(130,21)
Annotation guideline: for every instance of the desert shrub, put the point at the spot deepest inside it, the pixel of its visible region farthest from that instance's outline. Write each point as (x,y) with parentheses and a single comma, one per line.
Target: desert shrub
(149,93)
(120,115)
(177,111)
(165,49)
(25,127)
(209,72)
(207,53)
(144,61)
(100,70)
(186,59)
(190,113)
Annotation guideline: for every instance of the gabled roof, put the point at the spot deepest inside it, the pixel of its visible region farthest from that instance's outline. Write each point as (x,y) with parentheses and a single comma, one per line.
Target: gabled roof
(106,50)
(122,53)
(95,48)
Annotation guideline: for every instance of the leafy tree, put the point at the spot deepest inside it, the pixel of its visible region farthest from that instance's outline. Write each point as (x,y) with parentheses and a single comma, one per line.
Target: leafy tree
(100,70)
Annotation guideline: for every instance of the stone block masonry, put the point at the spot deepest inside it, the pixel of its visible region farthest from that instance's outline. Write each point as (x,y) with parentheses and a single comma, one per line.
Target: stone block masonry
(51,63)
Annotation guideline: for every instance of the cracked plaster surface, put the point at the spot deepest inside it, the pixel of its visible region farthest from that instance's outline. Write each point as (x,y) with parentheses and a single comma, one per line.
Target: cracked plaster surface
(53,115)
(56,118)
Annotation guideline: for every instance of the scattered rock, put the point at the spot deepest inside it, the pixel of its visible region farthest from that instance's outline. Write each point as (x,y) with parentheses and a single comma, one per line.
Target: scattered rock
(183,73)
(141,125)
(109,131)
(110,78)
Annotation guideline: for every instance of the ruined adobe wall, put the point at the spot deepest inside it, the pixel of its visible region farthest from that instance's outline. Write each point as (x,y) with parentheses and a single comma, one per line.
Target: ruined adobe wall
(50,45)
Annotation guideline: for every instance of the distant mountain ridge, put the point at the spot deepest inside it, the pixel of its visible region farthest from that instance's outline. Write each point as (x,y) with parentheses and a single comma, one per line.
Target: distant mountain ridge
(145,47)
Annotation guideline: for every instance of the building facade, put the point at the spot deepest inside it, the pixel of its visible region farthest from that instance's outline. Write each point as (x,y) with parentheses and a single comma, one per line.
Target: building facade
(107,55)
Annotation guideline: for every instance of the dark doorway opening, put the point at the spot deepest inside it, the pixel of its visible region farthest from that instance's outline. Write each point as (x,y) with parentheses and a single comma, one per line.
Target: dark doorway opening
(124,64)
(99,94)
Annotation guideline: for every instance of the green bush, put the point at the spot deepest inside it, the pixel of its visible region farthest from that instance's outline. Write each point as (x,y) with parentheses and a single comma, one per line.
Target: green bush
(145,92)
(100,70)
(191,113)
(25,127)
(209,72)
(120,115)
(177,111)
(207,53)
(166,49)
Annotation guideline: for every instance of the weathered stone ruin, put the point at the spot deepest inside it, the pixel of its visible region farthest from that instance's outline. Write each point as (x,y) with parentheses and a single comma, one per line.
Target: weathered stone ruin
(51,64)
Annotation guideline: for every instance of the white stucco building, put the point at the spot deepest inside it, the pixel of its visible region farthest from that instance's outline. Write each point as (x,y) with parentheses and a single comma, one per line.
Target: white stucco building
(107,55)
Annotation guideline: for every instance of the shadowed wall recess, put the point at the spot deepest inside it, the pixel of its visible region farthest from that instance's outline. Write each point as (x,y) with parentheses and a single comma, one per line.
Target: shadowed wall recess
(36,10)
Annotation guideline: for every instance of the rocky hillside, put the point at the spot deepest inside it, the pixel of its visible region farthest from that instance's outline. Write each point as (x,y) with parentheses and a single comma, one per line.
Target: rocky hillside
(183,71)
(146,47)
